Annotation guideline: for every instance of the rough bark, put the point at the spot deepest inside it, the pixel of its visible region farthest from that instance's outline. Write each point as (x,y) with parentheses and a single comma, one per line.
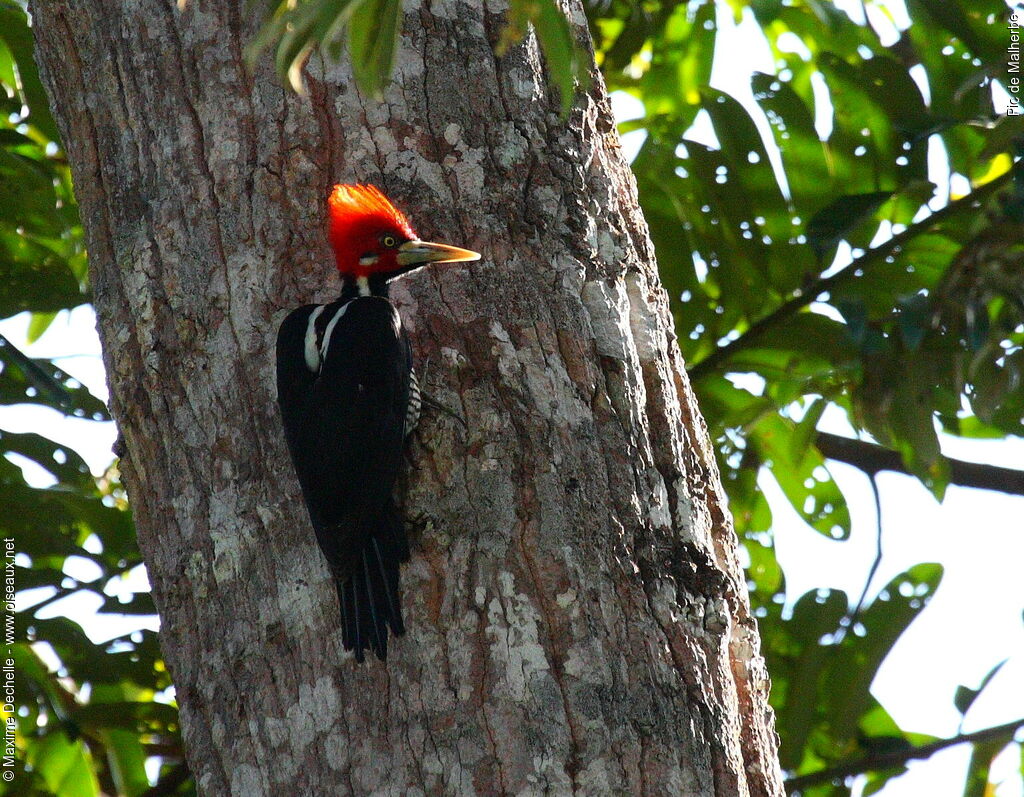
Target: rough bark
(577,615)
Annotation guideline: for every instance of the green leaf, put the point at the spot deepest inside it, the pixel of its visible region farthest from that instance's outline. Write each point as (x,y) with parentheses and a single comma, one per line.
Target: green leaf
(373,40)
(127,760)
(918,266)
(891,87)
(62,462)
(125,752)
(681,61)
(815,616)
(308,25)
(807,428)
(33,277)
(560,52)
(982,755)
(65,765)
(43,685)
(38,325)
(24,379)
(29,199)
(969,27)
(855,314)
(855,665)
(808,169)
(965,696)
(564,59)
(16,35)
(914,320)
(839,218)
(143,715)
(800,471)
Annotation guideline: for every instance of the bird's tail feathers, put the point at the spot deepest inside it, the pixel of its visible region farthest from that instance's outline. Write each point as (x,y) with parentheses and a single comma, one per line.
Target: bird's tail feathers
(369,597)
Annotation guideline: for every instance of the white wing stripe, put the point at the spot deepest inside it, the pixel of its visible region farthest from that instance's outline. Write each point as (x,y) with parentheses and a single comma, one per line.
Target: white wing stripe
(310,350)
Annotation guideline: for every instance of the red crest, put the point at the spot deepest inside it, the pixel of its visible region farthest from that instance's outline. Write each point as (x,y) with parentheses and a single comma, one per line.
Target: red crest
(359,216)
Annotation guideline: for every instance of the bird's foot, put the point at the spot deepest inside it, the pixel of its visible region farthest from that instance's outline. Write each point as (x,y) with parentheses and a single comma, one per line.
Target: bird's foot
(430,401)
(433,403)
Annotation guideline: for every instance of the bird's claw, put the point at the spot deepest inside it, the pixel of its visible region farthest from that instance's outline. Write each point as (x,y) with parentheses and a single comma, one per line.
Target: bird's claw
(430,401)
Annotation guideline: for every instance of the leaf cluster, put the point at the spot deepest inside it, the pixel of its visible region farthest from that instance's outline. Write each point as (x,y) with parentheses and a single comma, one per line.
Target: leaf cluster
(369,30)
(816,260)
(86,711)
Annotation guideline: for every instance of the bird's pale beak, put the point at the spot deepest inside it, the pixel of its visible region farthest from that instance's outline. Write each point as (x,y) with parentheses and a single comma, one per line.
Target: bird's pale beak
(417,253)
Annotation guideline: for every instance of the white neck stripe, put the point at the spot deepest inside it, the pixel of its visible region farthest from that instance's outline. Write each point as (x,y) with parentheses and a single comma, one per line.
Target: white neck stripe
(326,344)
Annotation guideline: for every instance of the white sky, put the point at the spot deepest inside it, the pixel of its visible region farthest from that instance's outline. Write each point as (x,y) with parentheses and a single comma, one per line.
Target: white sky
(978,536)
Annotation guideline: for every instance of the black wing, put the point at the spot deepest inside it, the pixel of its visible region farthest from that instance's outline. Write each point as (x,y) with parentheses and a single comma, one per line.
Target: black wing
(344,422)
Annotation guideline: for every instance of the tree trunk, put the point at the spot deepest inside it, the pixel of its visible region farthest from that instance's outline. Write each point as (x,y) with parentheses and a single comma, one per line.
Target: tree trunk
(577,616)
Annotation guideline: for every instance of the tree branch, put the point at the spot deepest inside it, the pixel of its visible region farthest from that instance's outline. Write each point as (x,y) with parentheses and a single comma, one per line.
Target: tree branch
(810,293)
(872,458)
(895,758)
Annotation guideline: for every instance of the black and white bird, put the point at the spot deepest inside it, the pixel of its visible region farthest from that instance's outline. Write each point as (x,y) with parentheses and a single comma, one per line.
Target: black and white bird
(349,397)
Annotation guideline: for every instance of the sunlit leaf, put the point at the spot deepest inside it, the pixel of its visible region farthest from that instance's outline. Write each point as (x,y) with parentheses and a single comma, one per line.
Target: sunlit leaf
(64,764)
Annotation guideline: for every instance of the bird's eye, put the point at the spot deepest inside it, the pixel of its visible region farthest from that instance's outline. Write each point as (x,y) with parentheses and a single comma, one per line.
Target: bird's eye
(389,241)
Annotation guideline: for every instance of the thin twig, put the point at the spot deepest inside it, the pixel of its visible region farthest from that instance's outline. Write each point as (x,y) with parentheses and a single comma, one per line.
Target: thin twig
(895,758)
(855,614)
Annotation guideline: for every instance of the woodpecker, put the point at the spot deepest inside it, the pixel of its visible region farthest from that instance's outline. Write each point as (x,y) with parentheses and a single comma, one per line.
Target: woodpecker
(349,398)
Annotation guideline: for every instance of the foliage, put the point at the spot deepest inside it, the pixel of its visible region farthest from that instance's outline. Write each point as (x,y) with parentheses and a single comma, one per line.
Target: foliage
(295,28)
(87,719)
(813,260)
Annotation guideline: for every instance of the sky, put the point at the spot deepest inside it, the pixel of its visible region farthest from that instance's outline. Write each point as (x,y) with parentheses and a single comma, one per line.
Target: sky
(978,536)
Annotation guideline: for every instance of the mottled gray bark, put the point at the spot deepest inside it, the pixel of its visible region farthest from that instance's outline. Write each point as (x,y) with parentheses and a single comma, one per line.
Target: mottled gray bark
(577,615)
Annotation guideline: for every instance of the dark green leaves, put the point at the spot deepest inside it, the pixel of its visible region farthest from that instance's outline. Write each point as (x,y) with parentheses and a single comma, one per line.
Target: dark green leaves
(295,29)
(85,731)
(18,69)
(835,222)
(771,226)
(965,696)
(564,58)
(42,263)
(787,449)
(373,40)
(27,380)
(826,711)
(567,62)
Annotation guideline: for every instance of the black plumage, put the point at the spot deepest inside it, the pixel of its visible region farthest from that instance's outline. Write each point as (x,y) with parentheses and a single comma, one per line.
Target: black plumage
(343,381)
(348,399)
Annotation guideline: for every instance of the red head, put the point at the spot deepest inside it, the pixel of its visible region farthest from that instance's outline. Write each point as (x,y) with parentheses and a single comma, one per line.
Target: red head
(371,237)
